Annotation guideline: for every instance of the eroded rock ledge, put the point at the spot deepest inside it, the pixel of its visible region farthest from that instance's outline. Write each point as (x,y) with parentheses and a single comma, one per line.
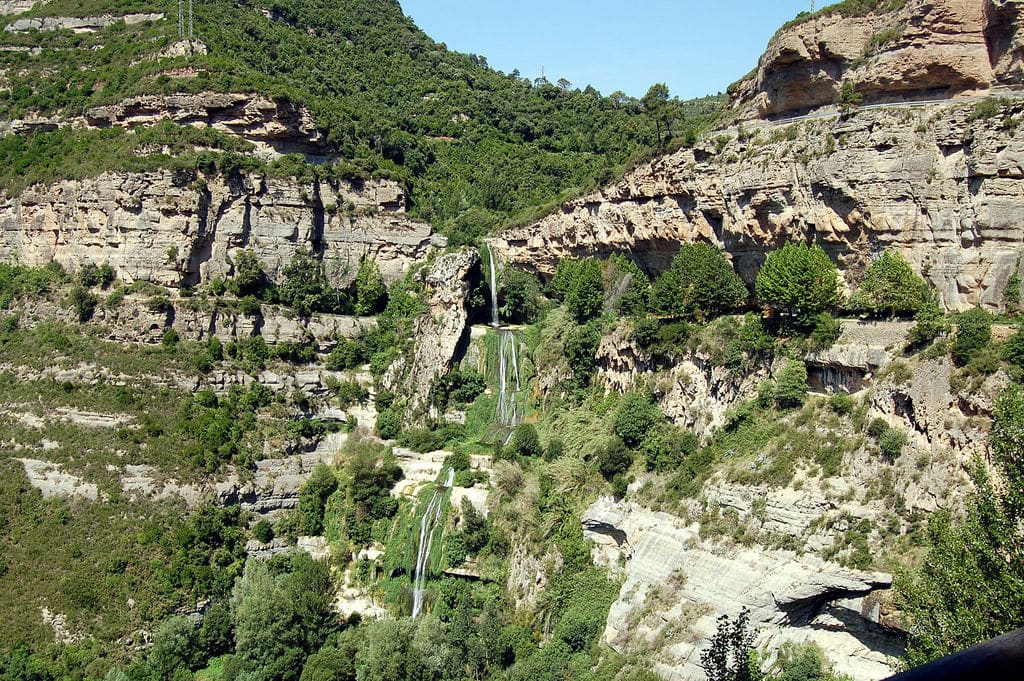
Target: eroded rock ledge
(941,185)
(176,228)
(678,584)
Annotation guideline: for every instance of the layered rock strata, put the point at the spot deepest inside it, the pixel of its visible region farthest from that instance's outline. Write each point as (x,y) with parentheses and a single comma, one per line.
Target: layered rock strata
(926,49)
(175,227)
(943,185)
(676,585)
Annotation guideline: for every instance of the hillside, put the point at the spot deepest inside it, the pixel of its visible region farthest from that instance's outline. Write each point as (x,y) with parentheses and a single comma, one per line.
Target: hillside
(328,353)
(355,87)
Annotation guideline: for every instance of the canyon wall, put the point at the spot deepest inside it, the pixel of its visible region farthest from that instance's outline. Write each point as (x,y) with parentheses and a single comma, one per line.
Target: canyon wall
(176,228)
(941,184)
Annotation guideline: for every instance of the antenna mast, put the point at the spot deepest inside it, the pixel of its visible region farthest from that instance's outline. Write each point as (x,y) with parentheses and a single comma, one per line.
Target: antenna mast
(812,6)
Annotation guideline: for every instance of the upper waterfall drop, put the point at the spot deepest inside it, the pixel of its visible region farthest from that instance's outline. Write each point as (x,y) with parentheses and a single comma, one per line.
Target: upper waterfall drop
(494,287)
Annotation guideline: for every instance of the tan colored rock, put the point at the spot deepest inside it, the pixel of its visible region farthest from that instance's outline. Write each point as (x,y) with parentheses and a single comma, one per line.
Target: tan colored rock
(926,49)
(677,584)
(171,228)
(437,335)
(933,183)
(75,24)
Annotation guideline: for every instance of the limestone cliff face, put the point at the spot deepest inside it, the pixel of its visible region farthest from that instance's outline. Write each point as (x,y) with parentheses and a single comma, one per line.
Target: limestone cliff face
(438,335)
(941,184)
(677,583)
(174,228)
(927,48)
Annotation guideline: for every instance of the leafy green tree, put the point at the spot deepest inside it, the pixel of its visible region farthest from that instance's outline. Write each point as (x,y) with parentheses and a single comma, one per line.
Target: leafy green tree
(891,287)
(585,295)
(614,459)
(371,293)
(799,278)
(970,585)
(700,284)
(475,533)
(174,647)
(974,331)
(313,497)
(249,278)
(268,645)
(518,293)
(83,302)
(1013,349)
(581,350)
(525,442)
(329,664)
(628,287)
(930,320)
(634,418)
(791,390)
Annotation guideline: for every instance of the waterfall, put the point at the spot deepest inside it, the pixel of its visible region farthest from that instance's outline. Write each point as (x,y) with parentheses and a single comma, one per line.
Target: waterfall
(428,526)
(494,288)
(508,414)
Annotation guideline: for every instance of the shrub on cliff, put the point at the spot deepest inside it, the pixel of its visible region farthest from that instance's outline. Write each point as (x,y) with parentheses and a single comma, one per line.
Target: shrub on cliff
(371,294)
(519,292)
(974,331)
(700,284)
(634,418)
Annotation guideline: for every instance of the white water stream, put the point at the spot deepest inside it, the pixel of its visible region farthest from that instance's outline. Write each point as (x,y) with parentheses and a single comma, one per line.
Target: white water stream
(508,413)
(428,526)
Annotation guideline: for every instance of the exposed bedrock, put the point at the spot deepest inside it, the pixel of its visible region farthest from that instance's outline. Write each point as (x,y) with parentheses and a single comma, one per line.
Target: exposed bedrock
(939,184)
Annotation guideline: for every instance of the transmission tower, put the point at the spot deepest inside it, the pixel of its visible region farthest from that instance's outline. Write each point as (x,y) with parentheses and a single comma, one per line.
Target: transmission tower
(181,19)
(812,6)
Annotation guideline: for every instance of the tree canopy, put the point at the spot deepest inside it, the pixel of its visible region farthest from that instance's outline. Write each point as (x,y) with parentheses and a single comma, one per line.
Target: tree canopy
(799,278)
(700,284)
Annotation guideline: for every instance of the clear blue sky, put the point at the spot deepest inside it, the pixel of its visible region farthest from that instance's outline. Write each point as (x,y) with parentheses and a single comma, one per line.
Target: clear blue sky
(696,48)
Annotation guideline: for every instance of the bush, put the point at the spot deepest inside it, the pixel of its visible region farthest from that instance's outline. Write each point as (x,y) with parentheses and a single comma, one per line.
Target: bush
(791,390)
(974,331)
(347,354)
(930,321)
(581,286)
(525,442)
(891,442)
(389,423)
(83,302)
(580,350)
(667,445)
(555,449)
(800,279)
(170,339)
(700,284)
(841,403)
(249,278)
(371,294)
(877,428)
(263,531)
(634,418)
(1013,349)
(614,459)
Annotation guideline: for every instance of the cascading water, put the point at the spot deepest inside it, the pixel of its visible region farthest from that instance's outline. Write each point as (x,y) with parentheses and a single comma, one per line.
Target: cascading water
(494,288)
(508,413)
(428,526)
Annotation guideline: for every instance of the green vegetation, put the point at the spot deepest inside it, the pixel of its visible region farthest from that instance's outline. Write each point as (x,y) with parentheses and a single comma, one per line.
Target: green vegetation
(800,279)
(974,331)
(699,285)
(474,146)
(968,587)
(889,288)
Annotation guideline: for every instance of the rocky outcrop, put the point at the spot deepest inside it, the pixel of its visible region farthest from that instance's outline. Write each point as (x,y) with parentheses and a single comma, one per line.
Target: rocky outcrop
(926,49)
(942,185)
(176,227)
(75,24)
(16,6)
(677,584)
(274,126)
(437,335)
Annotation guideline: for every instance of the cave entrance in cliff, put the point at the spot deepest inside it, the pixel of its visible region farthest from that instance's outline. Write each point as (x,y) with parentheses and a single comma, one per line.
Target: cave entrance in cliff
(827,379)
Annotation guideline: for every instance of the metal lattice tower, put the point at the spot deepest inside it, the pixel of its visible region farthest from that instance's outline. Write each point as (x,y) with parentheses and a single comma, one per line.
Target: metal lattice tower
(812,6)
(190,36)
(181,20)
